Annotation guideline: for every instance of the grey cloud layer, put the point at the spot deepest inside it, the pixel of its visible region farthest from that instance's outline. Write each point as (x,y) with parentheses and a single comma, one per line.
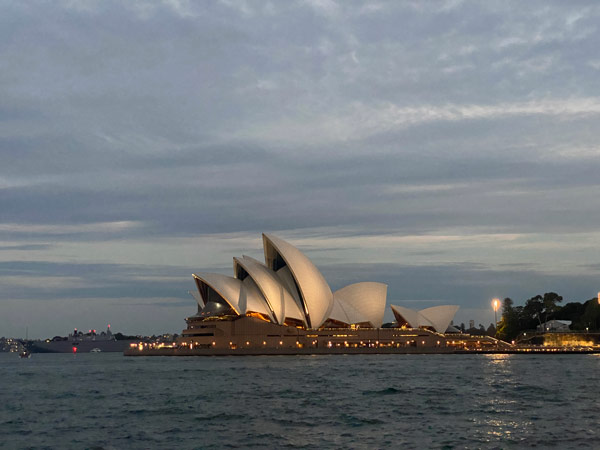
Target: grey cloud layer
(241,117)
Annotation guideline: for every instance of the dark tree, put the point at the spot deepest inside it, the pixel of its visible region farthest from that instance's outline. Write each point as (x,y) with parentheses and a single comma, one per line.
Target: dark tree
(508,328)
(532,313)
(542,308)
(550,301)
(571,311)
(590,318)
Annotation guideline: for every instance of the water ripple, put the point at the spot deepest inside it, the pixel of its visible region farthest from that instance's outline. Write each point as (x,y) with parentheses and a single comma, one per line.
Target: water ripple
(106,401)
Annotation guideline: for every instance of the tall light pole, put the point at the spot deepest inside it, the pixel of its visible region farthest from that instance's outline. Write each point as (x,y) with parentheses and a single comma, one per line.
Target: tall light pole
(496,305)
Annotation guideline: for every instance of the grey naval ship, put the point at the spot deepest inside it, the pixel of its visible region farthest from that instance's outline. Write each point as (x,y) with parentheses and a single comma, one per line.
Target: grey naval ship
(80,342)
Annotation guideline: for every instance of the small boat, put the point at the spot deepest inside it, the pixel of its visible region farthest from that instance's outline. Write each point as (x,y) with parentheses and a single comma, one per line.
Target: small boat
(25,354)
(95,350)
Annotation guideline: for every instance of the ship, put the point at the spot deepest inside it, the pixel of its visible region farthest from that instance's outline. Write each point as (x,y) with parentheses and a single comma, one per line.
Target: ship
(80,342)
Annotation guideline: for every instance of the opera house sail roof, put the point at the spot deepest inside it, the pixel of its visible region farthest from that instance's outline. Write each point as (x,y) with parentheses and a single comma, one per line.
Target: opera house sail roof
(436,317)
(285,306)
(287,289)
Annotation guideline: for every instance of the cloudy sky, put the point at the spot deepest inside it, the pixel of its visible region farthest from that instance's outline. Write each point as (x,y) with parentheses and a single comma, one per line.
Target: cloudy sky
(448,149)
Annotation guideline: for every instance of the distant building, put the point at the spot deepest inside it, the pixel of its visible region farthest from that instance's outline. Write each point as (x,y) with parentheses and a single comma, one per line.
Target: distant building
(554,325)
(471,323)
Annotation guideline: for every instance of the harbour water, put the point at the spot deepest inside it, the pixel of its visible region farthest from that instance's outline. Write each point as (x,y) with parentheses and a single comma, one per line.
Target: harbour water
(107,401)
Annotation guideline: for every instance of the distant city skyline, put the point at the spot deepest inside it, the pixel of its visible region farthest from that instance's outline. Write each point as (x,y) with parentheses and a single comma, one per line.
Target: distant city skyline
(447,149)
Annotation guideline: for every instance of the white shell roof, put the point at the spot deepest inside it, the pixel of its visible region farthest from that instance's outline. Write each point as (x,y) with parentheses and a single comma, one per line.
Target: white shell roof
(437,317)
(291,307)
(294,309)
(254,274)
(287,279)
(251,299)
(227,287)
(276,295)
(440,316)
(241,297)
(410,315)
(338,313)
(314,290)
(363,302)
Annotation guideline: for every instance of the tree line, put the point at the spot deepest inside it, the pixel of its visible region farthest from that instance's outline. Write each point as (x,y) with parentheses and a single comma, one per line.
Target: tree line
(542,308)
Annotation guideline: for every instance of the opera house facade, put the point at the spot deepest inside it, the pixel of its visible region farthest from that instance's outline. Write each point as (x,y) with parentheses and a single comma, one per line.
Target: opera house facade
(285,306)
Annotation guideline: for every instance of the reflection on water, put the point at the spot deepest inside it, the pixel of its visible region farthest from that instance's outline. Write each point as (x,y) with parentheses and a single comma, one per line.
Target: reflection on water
(354,401)
(498,357)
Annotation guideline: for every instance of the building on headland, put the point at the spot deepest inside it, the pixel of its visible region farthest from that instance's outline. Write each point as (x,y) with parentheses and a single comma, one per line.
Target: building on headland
(285,305)
(555,325)
(558,334)
(560,340)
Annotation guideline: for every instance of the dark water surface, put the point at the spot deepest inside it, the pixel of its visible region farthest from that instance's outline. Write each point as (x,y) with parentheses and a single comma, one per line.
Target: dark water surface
(358,401)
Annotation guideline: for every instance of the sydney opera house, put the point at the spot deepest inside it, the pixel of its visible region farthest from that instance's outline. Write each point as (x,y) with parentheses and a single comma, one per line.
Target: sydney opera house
(285,305)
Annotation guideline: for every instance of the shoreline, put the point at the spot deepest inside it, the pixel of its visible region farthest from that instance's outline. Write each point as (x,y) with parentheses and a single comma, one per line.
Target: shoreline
(351,351)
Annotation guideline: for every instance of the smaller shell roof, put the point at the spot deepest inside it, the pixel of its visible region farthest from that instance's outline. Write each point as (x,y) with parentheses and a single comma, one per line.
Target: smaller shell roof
(267,282)
(411,316)
(273,290)
(242,297)
(363,302)
(338,313)
(440,316)
(252,300)
(227,287)
(437,317)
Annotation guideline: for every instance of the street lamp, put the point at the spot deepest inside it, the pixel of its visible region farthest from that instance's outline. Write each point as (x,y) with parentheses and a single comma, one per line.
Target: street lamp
(495,305)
